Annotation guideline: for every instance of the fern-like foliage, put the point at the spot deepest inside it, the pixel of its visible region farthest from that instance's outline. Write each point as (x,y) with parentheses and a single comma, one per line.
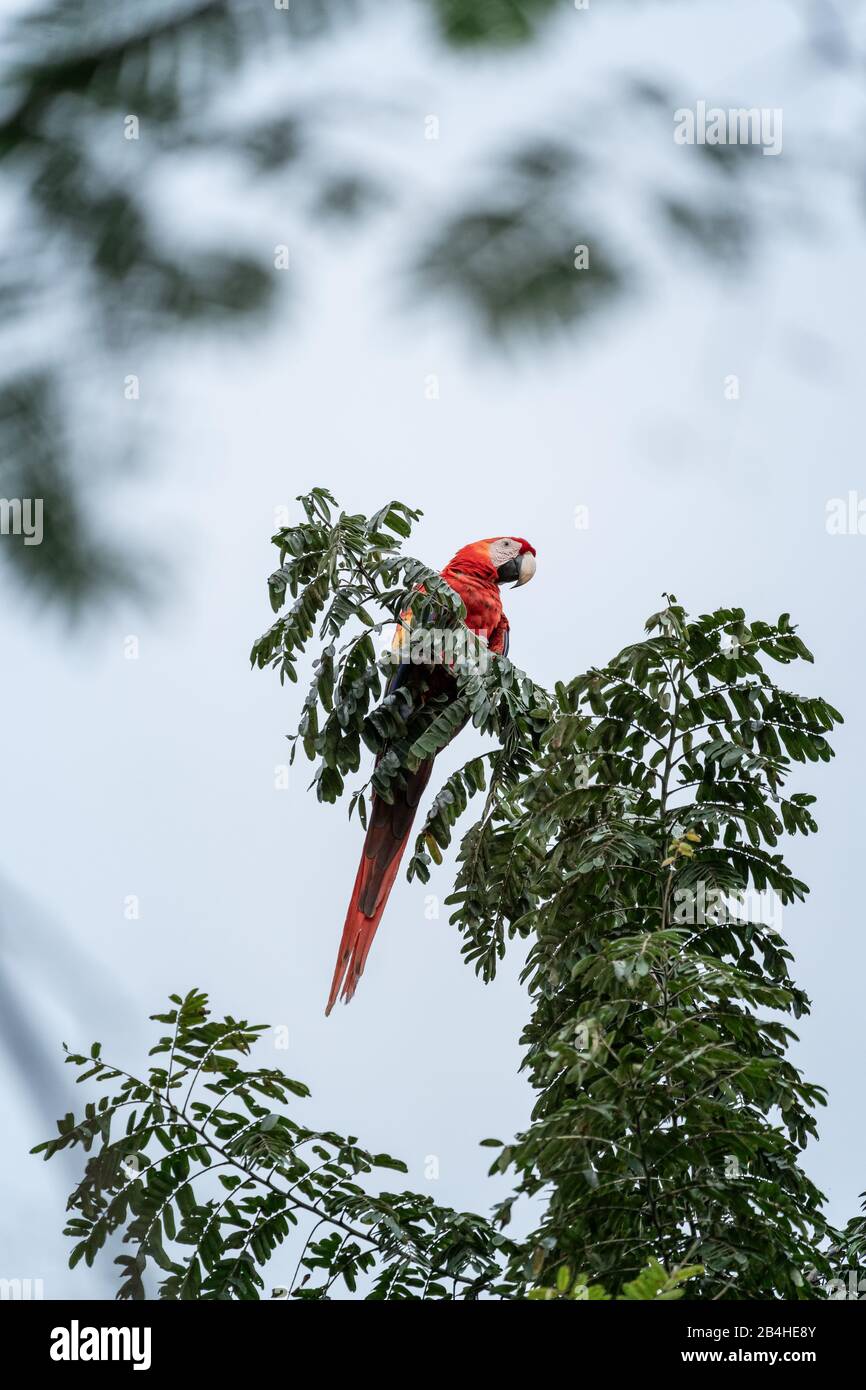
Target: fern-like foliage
(202,1165)
(640,856)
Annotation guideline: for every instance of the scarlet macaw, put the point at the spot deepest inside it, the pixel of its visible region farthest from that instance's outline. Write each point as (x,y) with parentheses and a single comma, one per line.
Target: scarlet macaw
(476,574)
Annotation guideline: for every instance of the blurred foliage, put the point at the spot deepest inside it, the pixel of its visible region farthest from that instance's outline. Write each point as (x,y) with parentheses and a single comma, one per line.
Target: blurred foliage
(510,260)
(73,564)
(491,21)
(105,272)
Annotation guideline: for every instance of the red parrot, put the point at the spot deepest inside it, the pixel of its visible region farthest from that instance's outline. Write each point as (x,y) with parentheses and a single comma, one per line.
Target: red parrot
(476,574)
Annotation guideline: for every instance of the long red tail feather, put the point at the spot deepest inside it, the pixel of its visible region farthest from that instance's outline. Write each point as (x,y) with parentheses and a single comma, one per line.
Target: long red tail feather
(387,836)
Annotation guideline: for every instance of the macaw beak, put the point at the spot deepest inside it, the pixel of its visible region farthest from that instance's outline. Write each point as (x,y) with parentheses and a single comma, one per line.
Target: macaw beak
(526,568)
(518,570)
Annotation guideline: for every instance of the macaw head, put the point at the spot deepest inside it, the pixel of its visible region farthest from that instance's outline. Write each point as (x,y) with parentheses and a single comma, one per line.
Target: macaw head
(502,559)
(513,558)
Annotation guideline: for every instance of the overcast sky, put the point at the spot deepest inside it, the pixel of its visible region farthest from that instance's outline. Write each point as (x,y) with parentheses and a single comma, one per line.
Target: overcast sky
(155,777)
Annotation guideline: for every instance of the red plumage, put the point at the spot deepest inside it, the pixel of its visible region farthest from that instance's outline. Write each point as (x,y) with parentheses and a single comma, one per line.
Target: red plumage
(473,575)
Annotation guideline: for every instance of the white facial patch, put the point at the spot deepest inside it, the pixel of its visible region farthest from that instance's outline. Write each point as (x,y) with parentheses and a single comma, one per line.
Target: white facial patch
(503,550)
